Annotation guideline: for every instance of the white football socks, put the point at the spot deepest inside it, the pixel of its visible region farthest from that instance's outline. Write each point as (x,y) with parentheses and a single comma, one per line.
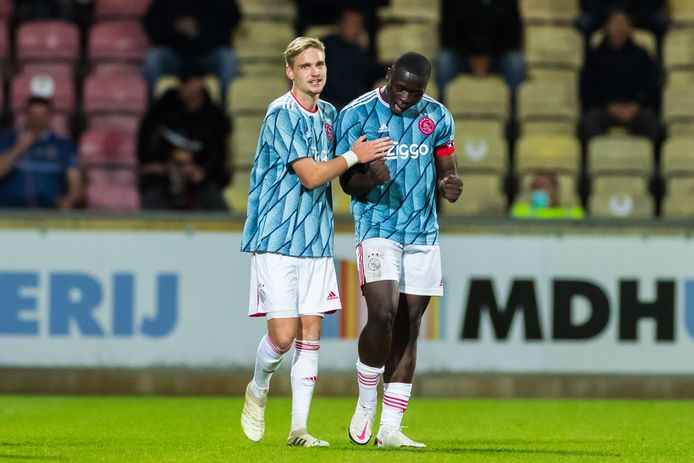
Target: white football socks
(396,396)
(303,377)
(267,360)
(368,379)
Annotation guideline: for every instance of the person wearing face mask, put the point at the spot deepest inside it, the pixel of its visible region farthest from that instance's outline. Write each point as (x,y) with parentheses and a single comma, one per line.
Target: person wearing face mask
(543,201)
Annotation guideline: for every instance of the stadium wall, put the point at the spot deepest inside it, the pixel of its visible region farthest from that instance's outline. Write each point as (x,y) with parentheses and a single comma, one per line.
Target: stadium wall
(593,309)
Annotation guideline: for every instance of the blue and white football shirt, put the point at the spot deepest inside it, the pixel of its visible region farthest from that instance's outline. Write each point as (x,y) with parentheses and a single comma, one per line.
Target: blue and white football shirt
(404,208)
(283,216)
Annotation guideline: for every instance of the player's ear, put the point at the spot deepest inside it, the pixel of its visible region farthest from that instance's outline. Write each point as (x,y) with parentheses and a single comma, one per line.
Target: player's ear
(289,72)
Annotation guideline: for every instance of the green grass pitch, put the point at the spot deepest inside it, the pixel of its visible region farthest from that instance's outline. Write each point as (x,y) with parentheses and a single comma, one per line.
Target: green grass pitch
(191,429)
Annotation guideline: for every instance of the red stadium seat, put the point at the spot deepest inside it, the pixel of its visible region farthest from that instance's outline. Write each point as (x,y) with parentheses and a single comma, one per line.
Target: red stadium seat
(115,94)
(60,123)
(120,9)
(117,68)
(48,41)
(4,41)
(112,189)
(117,41)
(6,8)
(114,148)
(124,122)
(63,98)
(61,71)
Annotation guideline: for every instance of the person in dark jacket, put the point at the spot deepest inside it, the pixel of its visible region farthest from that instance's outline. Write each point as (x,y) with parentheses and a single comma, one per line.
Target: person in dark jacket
(619,83)
(480,37)
(184,122)
(352,70)
(186,30)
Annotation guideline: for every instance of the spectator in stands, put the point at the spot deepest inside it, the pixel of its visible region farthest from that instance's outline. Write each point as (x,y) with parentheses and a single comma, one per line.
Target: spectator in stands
(172,178)
(320,12)
(619,83)
(38,168)
(189,110)
(647,14)
(352,70)
(544,201)
(480,37)
(186,30)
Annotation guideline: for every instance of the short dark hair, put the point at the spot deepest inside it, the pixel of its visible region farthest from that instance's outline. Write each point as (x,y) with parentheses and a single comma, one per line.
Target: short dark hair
(414,63)
(32,100)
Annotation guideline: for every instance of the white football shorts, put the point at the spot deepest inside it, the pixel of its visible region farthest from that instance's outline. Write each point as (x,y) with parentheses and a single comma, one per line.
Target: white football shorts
(417,268)
(287,287)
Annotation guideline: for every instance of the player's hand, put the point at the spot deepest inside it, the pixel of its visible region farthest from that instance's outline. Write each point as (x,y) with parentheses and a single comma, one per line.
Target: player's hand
(368,151)
(378,171)
(24,140)
(451,187)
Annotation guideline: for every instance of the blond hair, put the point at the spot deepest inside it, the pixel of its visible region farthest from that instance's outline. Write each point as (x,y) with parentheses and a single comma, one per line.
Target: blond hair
(299,45)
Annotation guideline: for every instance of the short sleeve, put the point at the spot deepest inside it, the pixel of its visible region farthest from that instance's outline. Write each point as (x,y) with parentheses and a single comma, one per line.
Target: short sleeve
(445,135)
(286,133)
(347,131)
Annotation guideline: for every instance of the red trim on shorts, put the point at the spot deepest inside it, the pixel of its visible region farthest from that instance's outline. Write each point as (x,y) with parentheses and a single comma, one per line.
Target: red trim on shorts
(257,315)
(446,149)
(360,264)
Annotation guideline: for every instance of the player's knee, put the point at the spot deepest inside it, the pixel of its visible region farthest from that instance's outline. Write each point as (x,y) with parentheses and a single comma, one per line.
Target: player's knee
(283,340)
(383,318)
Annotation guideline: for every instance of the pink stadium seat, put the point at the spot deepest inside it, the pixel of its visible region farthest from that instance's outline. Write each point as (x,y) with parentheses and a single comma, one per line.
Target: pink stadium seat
(125,122)
(108,148)
(117,68)
(60,122)
(63,98)
(4,41)
(48,41)
(115,94)
(57,70)
(117,41)
(120,9)
(112,189)
(6,8)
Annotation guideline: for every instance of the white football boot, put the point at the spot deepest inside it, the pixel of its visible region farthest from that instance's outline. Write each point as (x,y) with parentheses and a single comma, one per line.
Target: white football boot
(301,438)
(361,426)
(392,436)
(253,415)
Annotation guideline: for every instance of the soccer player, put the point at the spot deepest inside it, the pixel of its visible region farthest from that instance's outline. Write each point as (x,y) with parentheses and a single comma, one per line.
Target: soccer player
(289,230)
(394,209)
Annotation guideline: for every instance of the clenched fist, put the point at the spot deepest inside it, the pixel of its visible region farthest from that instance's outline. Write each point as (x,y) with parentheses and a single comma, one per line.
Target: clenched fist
(378,170)
(451,188)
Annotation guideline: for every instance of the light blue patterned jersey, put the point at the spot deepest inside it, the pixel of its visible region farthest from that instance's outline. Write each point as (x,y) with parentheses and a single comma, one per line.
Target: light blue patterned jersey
(404,208)
(283,216)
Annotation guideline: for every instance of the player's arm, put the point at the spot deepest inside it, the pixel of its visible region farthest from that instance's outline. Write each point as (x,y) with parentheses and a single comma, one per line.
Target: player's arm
(313,174)
(358,180)
(449,184)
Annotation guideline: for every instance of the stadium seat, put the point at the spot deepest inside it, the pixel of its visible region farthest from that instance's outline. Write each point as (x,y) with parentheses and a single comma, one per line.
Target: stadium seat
(480,154)
(567,76)
(560,154)
(6,9)
(395,39)
(641,37)
(108,148)
(549,11)
(548,102)
(106,10)
(120,41)
(678,202)
(620,184)
(678,49)
(112,189)
(280,10)
(252,94)
(262,40)
(428,11)
(678,105)
(236,194)
(125,122)
(479,128)
(568,197)
(483,196)
(64,94)
(244,139)
(621,206)
(621,154)
(341,200)
(679,77)
(4,42)
(48,41)
(681,11)
(478,97)
(553,47)
(678,157)
(104,93)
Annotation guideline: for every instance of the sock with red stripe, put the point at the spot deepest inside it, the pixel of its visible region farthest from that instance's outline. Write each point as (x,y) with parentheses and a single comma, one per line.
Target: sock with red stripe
(368,379)
(303,376)
(267,360)
(396,396)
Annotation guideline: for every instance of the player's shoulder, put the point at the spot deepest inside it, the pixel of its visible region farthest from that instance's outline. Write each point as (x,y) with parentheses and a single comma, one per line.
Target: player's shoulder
(361,102)
(433,105)
(327,108)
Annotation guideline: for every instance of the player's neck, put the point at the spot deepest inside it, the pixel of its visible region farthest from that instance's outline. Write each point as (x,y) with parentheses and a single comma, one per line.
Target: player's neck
(308,102)
(385,95)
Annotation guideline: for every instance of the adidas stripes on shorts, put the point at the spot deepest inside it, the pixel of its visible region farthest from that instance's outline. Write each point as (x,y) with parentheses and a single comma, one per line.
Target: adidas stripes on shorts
(286,286)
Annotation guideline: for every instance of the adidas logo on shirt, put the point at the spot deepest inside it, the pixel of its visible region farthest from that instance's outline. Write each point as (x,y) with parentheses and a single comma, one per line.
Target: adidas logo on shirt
(383,128)
(332,296)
